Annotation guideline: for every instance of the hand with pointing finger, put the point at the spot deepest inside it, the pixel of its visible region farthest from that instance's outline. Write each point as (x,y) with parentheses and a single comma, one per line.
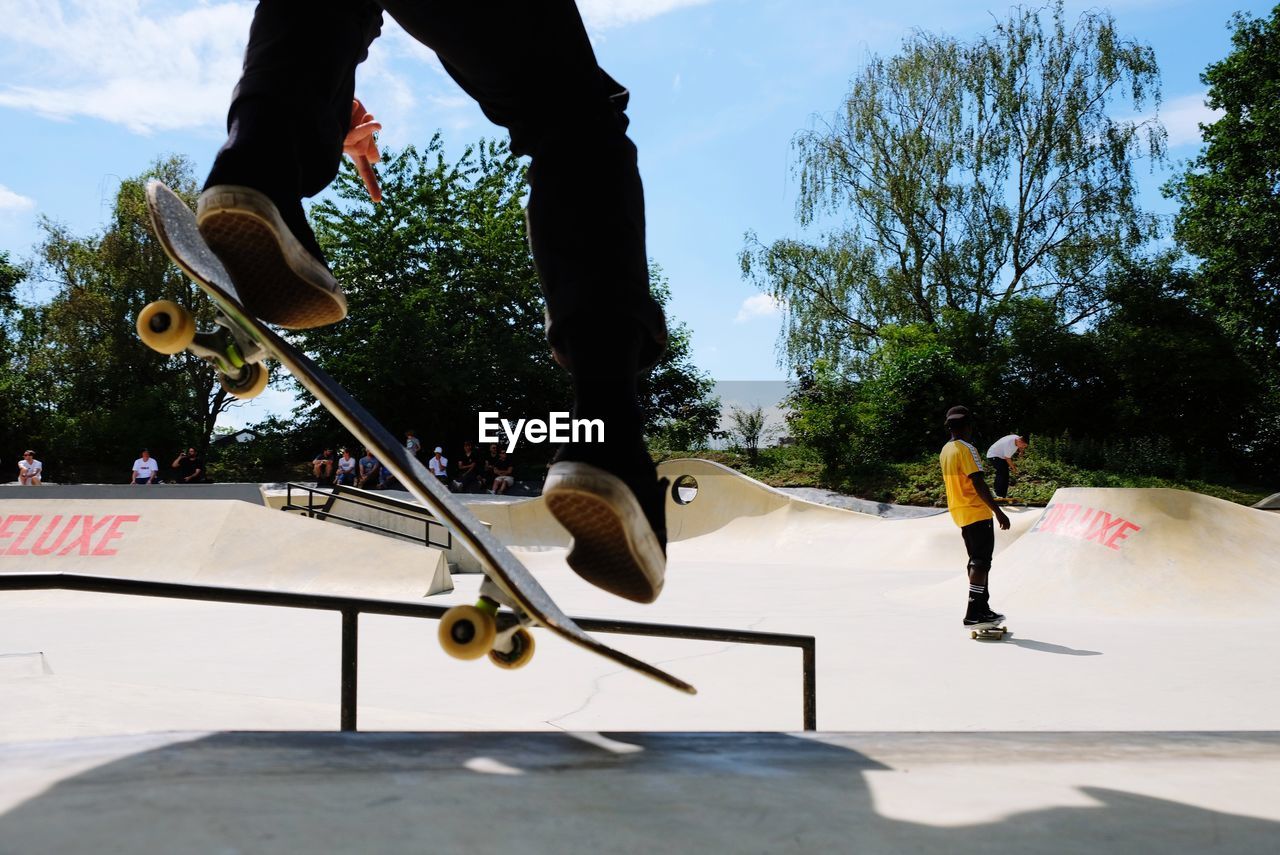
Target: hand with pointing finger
(362,146)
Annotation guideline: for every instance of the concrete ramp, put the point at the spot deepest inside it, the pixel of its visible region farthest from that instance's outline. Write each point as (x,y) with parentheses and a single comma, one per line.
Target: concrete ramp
(1144,552)
(217,542)
(733,519)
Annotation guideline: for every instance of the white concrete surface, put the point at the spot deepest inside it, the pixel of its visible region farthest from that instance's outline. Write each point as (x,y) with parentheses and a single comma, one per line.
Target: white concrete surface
(1172,627)
(1136,707)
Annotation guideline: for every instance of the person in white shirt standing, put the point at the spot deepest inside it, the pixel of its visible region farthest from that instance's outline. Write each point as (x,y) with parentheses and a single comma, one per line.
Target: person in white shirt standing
(145,469)
(1001,454)
(29,469)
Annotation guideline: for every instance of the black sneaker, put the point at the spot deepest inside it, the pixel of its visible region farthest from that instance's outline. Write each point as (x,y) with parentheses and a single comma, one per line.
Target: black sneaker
(983,617)
(617,517)
(273,259)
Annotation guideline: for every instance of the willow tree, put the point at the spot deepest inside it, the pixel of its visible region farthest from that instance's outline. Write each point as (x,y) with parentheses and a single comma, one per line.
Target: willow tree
(958,177)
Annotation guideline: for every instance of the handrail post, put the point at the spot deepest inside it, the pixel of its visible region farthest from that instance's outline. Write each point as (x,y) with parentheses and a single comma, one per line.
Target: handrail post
(810,685)
(350,650)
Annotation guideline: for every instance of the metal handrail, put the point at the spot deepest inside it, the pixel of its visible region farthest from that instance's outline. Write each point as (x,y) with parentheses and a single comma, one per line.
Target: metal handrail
(352,607)
(383,505)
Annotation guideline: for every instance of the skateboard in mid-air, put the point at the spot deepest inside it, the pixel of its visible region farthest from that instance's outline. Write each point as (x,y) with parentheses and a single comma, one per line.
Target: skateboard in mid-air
(988,631)
(238,347)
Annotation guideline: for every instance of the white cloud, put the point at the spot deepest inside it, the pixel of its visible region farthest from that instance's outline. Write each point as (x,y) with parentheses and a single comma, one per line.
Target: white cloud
(609,14)
(150,67)
(126,61)
(11,201)
(757,306)
(1183,116)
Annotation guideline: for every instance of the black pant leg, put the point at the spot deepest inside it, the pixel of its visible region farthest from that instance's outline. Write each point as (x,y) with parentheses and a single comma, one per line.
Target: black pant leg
(292,107)
(1002,476)
(532,69)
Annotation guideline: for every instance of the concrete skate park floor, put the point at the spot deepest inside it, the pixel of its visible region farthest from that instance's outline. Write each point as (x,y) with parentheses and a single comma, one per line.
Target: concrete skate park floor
(1075,728)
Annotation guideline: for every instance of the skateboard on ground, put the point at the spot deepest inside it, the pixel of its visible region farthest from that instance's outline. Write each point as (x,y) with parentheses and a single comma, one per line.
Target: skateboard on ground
(988,631)
(238,348)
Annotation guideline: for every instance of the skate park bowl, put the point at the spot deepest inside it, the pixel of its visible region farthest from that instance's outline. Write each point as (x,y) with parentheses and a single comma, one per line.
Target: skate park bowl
(1133,706)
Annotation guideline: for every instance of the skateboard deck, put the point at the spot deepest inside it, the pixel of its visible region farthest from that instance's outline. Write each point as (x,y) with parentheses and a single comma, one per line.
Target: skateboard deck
(252,341)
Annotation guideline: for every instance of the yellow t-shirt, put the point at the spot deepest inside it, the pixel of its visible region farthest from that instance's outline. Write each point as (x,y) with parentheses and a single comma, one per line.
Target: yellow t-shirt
(959,460)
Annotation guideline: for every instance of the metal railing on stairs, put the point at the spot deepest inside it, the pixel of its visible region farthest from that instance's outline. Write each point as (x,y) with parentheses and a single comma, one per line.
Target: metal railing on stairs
(320,504)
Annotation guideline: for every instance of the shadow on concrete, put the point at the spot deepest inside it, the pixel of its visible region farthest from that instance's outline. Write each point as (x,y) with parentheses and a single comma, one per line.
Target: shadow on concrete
(540,792)
(1046,647)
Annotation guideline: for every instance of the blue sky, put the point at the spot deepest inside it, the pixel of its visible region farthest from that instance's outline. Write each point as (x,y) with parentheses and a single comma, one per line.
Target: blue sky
(94,91)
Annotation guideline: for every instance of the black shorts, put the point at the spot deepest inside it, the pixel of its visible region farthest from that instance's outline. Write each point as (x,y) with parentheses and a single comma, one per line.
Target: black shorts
(980,541)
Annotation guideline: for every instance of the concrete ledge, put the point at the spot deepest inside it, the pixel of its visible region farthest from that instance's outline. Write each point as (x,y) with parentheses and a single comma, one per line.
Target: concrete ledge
(62,492)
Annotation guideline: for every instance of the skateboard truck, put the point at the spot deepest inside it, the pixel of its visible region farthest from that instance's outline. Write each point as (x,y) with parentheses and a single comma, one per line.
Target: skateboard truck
(169,328)
(470,632)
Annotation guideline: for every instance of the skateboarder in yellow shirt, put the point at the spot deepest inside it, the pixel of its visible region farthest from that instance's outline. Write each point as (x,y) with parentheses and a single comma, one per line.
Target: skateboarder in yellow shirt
(972,506)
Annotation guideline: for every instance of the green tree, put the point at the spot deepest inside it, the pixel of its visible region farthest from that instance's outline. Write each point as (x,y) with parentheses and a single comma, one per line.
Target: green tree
(1230,193)
(100,393)
(445,310)
(1170,372)
(680,410)
(1230,216)
(748,428)
(15,427)
(446,315)
(960,177)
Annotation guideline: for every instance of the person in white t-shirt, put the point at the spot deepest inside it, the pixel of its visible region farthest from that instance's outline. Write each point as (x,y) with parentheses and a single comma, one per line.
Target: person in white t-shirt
(347,469)
(145,469)
(29,470)
(439,465)
(1001,454)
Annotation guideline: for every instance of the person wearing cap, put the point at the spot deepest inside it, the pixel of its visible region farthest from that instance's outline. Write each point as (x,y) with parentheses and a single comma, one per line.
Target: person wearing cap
(972,507)
(29,469)
(439,465)
(1001,454)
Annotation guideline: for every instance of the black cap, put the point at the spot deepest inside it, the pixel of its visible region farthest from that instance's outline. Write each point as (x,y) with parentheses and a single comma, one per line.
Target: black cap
(957,414)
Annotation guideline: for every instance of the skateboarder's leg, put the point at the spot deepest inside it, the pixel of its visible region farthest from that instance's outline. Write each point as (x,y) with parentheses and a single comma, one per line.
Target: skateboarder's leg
(532,70)
(1002,476)
(288,116)
(979,541)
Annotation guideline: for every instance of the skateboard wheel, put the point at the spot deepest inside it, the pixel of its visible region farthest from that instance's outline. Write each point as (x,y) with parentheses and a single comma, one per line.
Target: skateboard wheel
(252,380)
(166,327)
(466,632)
(520,653)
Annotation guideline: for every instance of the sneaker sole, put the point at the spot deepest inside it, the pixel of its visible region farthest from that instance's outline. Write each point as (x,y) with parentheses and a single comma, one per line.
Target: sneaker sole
(613,546)
(275,277)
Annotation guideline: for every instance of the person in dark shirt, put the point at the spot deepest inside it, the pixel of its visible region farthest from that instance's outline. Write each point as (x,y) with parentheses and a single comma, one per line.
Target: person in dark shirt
(322,468)
(503,473)
(489,461)
(190,467)
(470,470)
